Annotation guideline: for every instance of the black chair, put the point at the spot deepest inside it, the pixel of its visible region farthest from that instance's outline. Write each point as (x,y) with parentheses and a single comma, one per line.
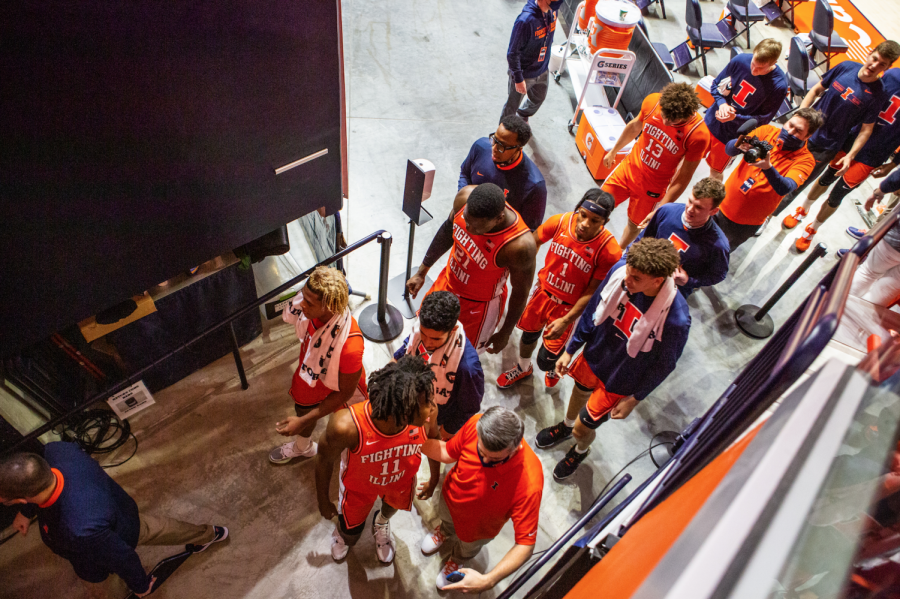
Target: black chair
(800,78)
(703,37)
(746,12)
(660,48)
(642,4)
(822,36)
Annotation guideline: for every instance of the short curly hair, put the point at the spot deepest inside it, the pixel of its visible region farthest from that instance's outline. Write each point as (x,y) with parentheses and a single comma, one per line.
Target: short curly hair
(516,124)
(709,188)
(330,286)
(486,201)
(396,389)
(439,311)
(678,102)
(653,257)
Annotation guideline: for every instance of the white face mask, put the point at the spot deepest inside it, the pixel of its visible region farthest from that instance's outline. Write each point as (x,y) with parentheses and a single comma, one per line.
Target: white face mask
(684,222)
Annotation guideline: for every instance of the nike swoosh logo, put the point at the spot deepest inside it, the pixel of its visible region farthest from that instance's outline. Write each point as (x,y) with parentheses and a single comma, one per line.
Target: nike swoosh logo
(477,173)
(473,312)
(371,443)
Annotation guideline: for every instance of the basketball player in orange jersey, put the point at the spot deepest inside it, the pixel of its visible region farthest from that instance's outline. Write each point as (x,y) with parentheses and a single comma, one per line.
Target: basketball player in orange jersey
(673,140)
(490,243)
(379,444)
(581,253)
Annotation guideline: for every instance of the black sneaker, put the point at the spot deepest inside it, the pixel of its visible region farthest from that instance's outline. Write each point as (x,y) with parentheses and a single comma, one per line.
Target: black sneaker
(552,435)
(569,464)
(221,535)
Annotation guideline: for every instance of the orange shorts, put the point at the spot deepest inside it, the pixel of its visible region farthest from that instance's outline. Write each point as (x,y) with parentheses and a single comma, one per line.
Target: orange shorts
(856,174)
(601,401)
(622,184)
(542,309)
(355,506)
(479,319)
(717,159)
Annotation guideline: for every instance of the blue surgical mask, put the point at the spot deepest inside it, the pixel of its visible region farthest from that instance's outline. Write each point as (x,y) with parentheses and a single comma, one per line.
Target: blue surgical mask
(789,143)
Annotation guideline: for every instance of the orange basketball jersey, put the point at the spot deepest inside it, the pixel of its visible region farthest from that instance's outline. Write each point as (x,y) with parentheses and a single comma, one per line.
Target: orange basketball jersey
(659,148)
(571,264)
(380,462)
(472,269)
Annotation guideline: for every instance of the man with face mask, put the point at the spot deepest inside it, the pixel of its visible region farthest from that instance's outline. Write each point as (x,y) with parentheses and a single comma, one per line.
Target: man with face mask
(496,478)
(438,337)
(754,190)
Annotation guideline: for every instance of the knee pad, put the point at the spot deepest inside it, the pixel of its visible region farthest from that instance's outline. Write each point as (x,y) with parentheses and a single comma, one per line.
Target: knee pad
(530,338)
(828,177)
(546,361)
(838,193)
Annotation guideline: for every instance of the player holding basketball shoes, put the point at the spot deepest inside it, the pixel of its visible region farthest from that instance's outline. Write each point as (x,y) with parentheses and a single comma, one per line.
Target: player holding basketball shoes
(673,141)
(581,253)
(379,444)
(490,243)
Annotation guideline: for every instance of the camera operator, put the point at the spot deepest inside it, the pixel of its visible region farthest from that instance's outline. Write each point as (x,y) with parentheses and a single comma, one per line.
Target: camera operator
(764,177)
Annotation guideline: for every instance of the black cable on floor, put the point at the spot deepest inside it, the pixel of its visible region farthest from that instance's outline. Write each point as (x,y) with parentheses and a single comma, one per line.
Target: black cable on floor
(99,432)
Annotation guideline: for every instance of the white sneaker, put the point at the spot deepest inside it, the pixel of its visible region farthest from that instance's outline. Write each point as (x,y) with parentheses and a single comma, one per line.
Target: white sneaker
(449,568)
(339,548)
(384,540)
(287,452)
(431,543)
(762,227)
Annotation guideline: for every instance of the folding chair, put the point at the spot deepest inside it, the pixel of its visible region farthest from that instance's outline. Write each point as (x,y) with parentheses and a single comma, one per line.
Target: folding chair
(822,36)
(745,12)
(703,37)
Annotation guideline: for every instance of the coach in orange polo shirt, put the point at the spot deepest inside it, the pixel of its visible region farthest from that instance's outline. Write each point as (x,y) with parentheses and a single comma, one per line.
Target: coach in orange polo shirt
(754,190)
(496,478)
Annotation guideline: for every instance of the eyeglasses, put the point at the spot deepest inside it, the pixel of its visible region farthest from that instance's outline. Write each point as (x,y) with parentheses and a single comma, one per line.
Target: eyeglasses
(504,147)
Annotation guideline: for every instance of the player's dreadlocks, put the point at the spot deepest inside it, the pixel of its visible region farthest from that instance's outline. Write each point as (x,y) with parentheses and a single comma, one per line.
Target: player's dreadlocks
(331,287)
(395,389)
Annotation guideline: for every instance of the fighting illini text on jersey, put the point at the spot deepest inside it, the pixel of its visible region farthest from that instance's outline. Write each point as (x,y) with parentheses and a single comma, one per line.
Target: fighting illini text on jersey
(570,264)
(472,268)
(659,149)
(380,464)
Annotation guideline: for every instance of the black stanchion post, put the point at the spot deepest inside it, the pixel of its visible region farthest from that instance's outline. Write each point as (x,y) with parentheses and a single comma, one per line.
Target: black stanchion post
(756,322)
(236,352)
(382,322)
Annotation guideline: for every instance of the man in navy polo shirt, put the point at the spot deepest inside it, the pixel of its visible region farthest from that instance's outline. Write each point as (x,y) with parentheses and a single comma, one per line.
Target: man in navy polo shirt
(850,96)
(88,519)
(499,159)
(528,57)
(701,244)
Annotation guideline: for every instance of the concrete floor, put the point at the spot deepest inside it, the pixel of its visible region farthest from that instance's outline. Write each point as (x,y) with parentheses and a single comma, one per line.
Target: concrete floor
(424,80)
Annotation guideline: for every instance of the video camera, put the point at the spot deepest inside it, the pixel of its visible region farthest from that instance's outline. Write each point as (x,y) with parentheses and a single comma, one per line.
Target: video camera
(759,149)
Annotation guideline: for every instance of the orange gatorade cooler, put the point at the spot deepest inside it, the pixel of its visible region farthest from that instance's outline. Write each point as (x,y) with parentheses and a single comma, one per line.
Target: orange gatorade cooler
(587,11)
(702,89)
(598,130)
(615,25)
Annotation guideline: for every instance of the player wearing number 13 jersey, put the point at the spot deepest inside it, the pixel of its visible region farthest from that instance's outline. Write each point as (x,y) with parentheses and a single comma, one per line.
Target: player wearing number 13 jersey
(673,140)
(490,244)
(379,443)
(581,252)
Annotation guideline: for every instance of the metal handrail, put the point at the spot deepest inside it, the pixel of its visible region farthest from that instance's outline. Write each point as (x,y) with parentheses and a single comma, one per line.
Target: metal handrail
(382,236)
(814,323)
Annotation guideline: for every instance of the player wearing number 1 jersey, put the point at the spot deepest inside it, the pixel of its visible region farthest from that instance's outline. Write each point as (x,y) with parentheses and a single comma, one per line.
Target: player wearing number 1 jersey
(581,253)
(379,443)
(490,244)
(673,140)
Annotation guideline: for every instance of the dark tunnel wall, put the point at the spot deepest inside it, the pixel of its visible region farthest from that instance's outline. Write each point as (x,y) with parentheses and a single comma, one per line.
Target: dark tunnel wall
(140,138)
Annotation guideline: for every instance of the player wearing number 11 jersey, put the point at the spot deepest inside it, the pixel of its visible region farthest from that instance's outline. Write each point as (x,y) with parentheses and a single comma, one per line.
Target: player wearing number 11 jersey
(673,140)
(581,252)
(379,444)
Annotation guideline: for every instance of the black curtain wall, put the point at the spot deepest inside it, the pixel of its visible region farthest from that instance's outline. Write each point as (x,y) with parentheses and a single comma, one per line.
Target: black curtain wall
(142,138)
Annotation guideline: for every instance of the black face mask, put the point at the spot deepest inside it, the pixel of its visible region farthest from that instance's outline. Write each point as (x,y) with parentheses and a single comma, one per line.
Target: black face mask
(789,143)
(492,464)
